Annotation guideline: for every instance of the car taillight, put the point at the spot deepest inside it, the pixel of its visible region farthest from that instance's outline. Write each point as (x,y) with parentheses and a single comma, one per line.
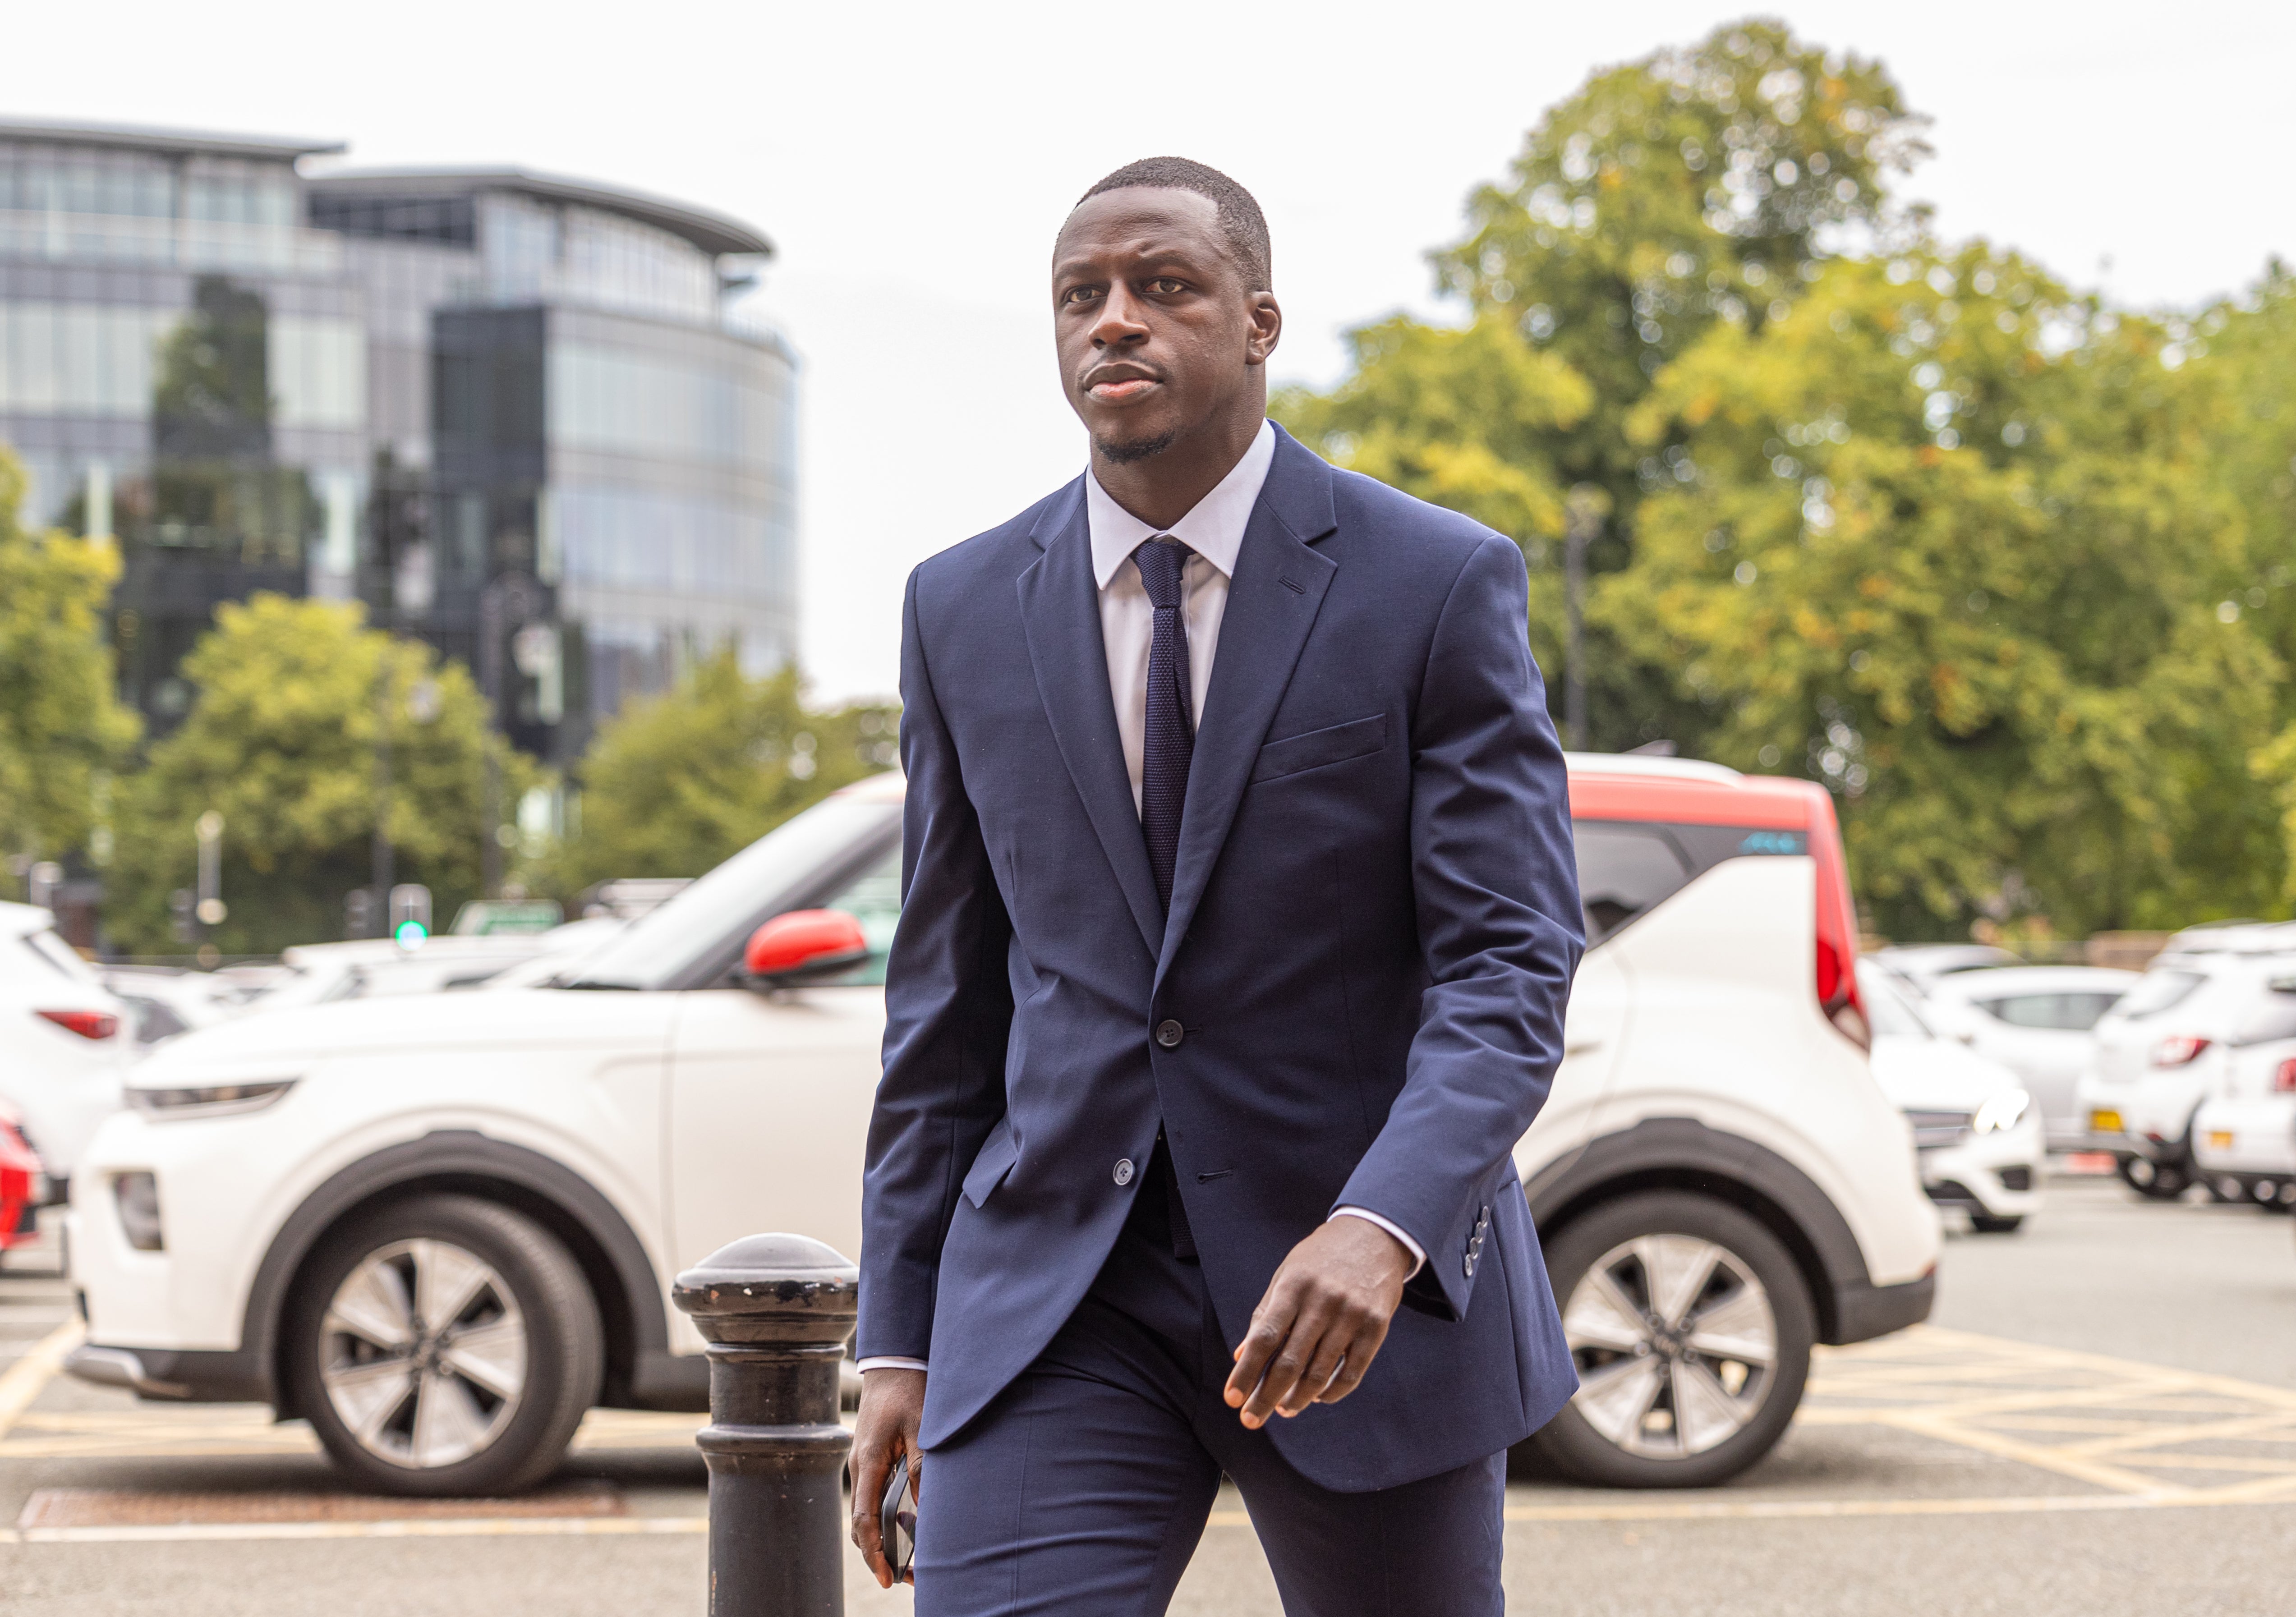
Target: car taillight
(2179,1051)
(1837,928)
(2283,1079)
(88,1024)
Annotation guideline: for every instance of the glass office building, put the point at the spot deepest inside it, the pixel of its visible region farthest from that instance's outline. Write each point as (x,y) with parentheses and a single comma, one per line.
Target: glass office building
(510,411)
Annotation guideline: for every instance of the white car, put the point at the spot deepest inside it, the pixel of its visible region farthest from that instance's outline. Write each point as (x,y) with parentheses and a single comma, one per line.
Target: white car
(365,968)
(65,1040)
(440,1227)
(2161,1048)
(1976,1128)
(1923,965)
(2244,1133)
(2038,1022)
(169,1000)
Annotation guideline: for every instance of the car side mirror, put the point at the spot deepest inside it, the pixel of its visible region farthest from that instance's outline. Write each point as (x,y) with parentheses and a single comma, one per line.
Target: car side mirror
(803,946)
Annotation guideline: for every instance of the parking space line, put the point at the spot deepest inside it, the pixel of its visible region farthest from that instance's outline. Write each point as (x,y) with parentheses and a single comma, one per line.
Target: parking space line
(21,1381)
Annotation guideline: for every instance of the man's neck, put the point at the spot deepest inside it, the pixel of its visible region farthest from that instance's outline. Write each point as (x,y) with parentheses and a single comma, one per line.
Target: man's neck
(1164,488)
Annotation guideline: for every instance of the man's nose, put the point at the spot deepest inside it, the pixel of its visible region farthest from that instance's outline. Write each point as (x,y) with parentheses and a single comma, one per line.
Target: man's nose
(1119,321)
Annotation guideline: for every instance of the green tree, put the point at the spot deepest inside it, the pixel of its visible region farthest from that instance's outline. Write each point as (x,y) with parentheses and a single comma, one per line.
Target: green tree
(281,741)
(678,783)
(1468,419)
(62,732)
(1953,541)
(1698,184)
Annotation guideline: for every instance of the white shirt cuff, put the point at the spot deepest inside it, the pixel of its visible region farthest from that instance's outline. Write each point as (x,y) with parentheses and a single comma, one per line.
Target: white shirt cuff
(867,1364)
(1418,1252)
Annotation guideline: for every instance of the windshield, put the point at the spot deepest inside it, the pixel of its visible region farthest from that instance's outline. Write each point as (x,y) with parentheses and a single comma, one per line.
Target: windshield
(662,946)
(1891,1014)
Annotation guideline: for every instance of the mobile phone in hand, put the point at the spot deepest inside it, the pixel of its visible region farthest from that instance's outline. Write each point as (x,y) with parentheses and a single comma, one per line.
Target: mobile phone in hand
(896,1522)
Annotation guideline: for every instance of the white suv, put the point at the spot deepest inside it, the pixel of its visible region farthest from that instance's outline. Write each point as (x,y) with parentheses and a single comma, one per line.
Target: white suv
(66,1040)
(441,1227)
(2164,1045)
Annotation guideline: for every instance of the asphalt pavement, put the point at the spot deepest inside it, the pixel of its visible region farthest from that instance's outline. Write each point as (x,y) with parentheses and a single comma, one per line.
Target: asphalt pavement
(2101,1418)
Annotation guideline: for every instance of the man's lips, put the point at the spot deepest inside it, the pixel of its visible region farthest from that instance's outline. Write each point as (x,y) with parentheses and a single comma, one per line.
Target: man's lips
(1115,389)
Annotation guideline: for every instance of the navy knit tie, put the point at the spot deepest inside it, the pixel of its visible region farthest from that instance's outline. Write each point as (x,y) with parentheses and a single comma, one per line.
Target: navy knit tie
(1168,739)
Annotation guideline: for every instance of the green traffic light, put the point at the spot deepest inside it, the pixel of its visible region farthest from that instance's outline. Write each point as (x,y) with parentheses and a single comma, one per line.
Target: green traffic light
(411,935)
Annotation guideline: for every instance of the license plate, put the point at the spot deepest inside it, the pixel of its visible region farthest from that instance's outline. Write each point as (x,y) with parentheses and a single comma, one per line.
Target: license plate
(2219,1139)
(2104,1122)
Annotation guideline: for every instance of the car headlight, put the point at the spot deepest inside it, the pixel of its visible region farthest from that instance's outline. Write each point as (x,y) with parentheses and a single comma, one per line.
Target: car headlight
(2002,1111)
(137,1195)
(209,1100)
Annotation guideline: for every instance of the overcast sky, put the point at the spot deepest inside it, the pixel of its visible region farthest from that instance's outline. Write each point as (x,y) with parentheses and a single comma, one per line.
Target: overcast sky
(912,162)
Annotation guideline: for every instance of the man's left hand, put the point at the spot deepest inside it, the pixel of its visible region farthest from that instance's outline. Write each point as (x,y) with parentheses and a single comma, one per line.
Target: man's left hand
(1322,1322)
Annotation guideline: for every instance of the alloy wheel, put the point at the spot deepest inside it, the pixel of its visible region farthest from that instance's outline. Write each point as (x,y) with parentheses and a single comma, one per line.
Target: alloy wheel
(422,1354)
(1675,1342)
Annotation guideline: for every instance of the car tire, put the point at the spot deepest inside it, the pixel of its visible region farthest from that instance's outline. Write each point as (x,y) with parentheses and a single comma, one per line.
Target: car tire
(1984,1224)
(2224,1190)
(1647,1370)
(483,1401)
(2154,1181)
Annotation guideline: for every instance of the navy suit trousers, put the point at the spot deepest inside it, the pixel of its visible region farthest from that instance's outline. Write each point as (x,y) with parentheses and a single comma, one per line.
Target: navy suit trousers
(1084,1486)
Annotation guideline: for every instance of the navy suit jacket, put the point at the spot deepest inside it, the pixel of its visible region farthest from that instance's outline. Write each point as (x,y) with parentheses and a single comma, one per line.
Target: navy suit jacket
(1373,925)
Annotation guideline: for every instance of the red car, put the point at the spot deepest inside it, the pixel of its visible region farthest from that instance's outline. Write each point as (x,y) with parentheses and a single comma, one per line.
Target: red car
(20,1184)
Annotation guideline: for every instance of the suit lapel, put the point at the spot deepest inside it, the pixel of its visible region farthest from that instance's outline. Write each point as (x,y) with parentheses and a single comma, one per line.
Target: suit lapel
(1272,603)
(1060,608)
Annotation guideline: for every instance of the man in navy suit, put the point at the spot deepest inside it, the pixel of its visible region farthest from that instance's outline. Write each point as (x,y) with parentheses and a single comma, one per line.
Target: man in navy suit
(1239,916)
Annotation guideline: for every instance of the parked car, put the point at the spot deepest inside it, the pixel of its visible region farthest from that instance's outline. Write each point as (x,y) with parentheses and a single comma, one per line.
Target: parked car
(2244,1133)
(1923,965)
(65,1040)
(320,974)
(2039,1021)
(494,1189)
(169,1000)
(2160,1048)
(23,1184)
(1977,1131)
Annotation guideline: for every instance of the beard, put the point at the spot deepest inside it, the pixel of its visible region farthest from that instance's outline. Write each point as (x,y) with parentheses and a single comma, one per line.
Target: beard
(1124,454)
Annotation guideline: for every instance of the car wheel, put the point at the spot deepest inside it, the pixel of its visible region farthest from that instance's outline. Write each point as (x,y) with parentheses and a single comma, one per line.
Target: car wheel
(445,1345)
(1985,1225)
(2225,1189)
(1691,1327)
(2154,1181)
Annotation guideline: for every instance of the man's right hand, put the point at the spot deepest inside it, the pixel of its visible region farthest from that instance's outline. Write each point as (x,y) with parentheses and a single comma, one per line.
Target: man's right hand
(885,1434)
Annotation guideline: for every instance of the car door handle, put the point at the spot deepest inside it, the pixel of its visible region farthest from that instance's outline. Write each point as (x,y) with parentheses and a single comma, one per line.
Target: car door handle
(1580,1046)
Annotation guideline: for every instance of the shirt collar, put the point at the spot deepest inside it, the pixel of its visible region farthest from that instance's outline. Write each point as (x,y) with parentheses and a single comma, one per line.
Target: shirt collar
(1213,530)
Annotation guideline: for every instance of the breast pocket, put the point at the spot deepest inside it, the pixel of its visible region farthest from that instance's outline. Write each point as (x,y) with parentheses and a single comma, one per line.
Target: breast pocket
(1295,754)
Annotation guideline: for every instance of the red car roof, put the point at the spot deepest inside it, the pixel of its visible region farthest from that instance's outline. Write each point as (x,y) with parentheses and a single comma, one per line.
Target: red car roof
(1768,801)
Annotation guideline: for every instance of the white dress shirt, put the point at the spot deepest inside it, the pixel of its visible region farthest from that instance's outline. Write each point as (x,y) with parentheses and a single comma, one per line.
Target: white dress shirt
(1214,530)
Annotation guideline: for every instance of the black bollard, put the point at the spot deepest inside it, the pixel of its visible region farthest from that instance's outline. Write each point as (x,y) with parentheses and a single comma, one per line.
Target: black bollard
(776,1310)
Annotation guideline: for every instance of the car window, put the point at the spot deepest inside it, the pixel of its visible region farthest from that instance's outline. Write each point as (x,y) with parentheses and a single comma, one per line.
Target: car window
(2072,1013)
(2157,992)
(1624,870)
(2272,1017)
(873,899)
(664,944)
(61,957)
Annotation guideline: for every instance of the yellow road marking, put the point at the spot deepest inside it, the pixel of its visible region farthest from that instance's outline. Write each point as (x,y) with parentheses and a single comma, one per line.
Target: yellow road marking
(21,1381)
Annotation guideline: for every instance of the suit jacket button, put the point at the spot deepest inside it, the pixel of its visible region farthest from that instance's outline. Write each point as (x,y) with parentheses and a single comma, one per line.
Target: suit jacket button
(1169,1033)
(1471,1266)
(1123,1175)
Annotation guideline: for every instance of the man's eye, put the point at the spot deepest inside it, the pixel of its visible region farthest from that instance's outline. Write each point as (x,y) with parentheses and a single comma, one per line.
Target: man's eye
(1167,286)
(1082,294)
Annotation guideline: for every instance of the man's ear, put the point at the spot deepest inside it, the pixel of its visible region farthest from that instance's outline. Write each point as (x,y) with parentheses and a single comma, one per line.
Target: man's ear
(1266,329)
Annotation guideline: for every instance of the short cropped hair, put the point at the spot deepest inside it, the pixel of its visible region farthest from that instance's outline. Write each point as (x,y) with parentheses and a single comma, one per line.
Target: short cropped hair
(1241,221)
